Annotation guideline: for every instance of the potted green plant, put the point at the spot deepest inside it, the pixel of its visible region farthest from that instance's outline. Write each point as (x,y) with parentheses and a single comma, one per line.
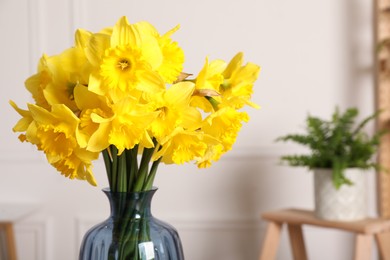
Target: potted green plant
(340,151)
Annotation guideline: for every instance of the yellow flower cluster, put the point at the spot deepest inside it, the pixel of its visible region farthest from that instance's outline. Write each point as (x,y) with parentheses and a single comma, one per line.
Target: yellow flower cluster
(125,87)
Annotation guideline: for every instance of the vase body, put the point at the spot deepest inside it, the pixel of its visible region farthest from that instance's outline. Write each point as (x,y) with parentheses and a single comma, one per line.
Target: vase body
(348,203)
(131,232)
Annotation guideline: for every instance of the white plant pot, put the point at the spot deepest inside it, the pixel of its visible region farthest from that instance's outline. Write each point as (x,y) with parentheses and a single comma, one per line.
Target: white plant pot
(348,203)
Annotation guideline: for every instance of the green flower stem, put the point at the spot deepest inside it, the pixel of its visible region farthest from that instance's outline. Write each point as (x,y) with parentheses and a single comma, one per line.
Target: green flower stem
(149,181)
(122,173)
(132,166)
(139,231)
(114,168)
(107,163)
(126,174)
(143,169)
(120,227)
(129,239)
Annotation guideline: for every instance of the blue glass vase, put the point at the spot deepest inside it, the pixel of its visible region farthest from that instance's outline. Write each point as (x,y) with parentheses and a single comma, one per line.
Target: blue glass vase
(131,232)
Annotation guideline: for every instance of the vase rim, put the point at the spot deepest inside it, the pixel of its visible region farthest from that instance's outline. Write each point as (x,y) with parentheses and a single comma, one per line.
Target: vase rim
(107,189)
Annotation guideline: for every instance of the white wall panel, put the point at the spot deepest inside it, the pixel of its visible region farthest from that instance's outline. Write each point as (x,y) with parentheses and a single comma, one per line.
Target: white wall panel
(32,242)
(16,52)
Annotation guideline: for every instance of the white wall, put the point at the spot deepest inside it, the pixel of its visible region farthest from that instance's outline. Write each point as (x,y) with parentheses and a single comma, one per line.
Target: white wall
(314,55)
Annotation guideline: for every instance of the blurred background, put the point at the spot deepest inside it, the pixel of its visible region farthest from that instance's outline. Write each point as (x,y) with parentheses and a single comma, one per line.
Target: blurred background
(314,55)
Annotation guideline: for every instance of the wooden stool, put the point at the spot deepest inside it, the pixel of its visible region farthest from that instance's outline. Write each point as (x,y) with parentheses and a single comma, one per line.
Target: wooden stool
(10,248)
(294,218)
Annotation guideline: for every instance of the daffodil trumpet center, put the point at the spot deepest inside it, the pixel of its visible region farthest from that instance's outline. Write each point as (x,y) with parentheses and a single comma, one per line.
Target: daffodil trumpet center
(226,84)
(124,64)
(162,112)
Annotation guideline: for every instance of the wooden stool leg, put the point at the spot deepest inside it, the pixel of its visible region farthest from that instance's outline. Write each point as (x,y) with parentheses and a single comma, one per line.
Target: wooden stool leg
(363,247)
(297,242)
(383,242)
(10,240)
(271,241)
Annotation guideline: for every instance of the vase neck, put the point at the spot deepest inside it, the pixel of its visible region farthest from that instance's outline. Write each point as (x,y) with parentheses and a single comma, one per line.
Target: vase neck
(130,204)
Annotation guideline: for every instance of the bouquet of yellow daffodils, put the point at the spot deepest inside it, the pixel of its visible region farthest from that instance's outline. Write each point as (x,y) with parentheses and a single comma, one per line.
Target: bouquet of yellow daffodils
(122,93)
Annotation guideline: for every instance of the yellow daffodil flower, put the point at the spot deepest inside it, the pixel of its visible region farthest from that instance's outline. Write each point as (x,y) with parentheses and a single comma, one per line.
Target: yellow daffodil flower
(181,146)
(68,69)
(122,92)
(209,78)
(213,153)
(224,125)
(173,110)
(90,105)
(24,123)
(55,131)
(78,165)
(37,83)
(56,78)
(171,63)
(232,81)
(126,59)
(124,129)
(237,87)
